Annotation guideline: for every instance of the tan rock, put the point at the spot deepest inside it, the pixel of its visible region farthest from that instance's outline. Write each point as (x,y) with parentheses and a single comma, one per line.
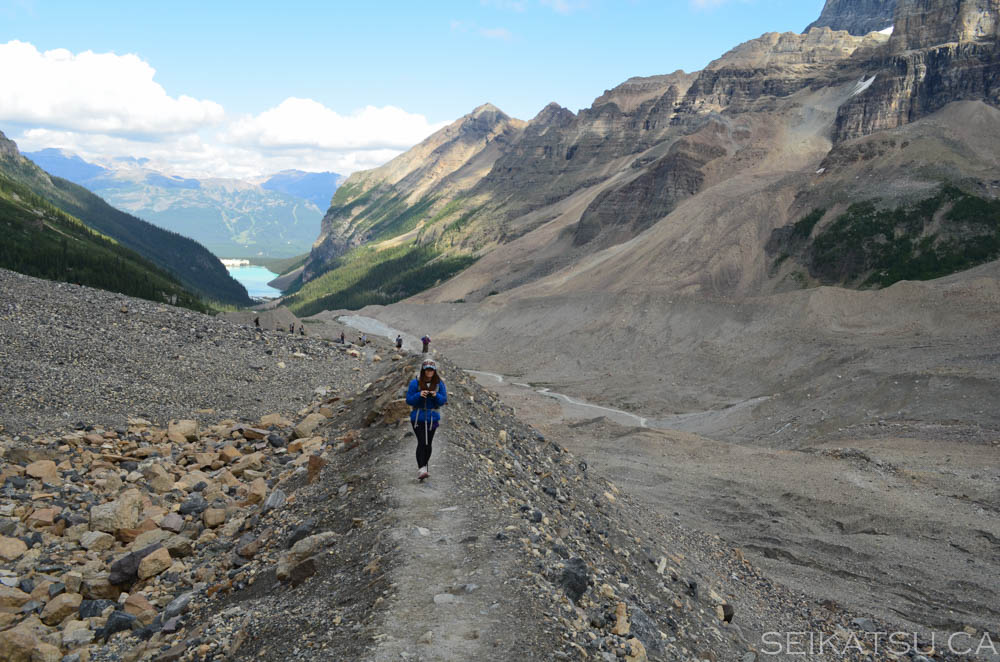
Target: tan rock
(122,513)
(73,581)
(622,625)
(137,603)
(18,643)
(97,540)
(155,563)
(308,425)
(636,651)
(230,454)
(253,433)
(213,517)
(187,429)
(45,470)
(252,461)
(147,538)
(131,535)
(41,517)
(61,606)
(12,597)
(96,587)
(225,477)
(192,478)
(45,652)
(257,492)
(301,551)
(11,548)
(395,411)
(275,419)
(205,459)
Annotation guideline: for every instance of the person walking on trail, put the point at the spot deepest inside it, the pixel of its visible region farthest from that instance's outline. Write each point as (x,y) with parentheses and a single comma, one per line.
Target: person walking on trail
(256,322)
(341,337)
(425,394)
(426,341)
(399,342)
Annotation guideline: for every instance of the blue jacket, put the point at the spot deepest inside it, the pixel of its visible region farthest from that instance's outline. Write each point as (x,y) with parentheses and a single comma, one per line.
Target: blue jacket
(425,409)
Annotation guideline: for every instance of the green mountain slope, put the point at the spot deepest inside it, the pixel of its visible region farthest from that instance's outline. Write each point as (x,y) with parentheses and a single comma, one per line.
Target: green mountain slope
(186,260)
(41,240)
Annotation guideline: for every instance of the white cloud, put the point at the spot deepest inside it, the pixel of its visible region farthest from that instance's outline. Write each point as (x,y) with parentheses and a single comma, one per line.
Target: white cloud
(566,6)
(93,92)
(496,33)
(103,106)
(307,123)
(506,5)
(191,155)
(711,4)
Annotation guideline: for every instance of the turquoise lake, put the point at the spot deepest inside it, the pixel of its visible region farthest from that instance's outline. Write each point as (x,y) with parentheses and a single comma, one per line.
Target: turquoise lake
(255,279)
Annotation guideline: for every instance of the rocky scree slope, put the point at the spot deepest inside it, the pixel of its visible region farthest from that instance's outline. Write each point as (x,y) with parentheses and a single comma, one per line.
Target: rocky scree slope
(73,353)
(283,536)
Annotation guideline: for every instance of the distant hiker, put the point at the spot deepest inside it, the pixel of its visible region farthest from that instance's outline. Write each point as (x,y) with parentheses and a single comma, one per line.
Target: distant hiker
(302,330)
(342,340)
(399,342)
(425,394)
(291,327)
(426,341)
(256,322)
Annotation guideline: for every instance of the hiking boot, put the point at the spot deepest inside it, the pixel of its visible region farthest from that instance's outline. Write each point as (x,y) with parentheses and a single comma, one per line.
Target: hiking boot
(422,473)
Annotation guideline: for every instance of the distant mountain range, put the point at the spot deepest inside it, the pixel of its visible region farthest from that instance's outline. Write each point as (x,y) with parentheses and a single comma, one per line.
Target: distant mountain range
(55,229)
(274,217)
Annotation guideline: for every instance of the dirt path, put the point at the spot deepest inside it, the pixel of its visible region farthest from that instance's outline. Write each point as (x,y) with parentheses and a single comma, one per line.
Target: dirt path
(446,603)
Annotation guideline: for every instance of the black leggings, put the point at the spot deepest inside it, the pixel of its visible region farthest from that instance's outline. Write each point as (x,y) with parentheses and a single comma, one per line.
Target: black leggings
(425,436)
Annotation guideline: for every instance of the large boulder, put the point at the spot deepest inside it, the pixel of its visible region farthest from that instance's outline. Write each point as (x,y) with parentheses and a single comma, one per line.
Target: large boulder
(11,549)
(184,430)
(60,607)
(17,644)
(122,513)
(301,551)
(308,425)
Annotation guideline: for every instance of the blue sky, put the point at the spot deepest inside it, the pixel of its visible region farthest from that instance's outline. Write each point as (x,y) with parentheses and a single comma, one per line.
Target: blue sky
(247,88)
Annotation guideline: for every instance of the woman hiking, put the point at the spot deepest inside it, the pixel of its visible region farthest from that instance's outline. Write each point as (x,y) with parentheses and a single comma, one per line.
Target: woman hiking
(426,393)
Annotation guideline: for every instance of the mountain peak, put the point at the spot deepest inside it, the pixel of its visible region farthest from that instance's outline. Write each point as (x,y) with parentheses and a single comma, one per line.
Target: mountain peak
(486,108)
(8,148)
(859,17)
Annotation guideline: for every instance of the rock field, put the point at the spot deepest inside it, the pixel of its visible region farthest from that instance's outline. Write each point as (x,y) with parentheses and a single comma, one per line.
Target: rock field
(221,506)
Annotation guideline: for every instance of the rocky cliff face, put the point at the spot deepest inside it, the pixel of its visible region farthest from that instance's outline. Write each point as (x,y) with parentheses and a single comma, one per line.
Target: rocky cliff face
(941,51)
(570,152)
(623,212)
(772,66)
(8,148)
(447,163)
(859,17)
(928,23)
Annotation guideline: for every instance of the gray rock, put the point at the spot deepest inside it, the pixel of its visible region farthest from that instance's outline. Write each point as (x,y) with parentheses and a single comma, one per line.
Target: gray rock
(645,629)
(118,621)
(126,569)
(575,579)
(195,504)
(172,522)
(866,624)
(178,605)
(276,499)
